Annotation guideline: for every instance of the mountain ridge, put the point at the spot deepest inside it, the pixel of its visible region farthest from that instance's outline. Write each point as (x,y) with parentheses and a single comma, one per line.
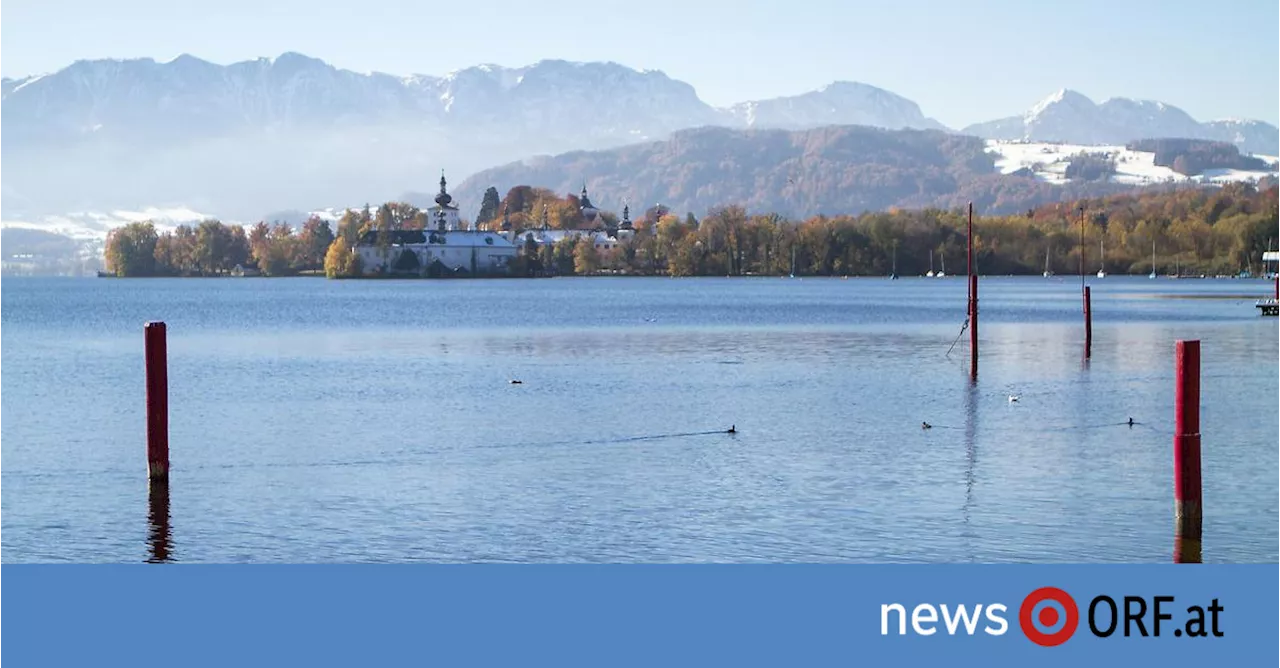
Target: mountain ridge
(1072,117)
(845,169)
(293,131)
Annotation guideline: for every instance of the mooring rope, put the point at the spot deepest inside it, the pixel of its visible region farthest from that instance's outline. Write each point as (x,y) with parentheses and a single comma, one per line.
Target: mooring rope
(953,343)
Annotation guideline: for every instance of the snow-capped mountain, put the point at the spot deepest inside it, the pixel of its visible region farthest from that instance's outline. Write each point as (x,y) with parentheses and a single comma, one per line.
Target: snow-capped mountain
(294,131)
(840,103)
(573,100)
(1069,116)
(147,100)
(1250,136)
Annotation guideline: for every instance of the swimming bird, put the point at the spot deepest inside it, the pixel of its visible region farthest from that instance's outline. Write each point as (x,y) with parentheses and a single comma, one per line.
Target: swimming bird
(516,382)
(733,429)
(1013,398)
(926,425)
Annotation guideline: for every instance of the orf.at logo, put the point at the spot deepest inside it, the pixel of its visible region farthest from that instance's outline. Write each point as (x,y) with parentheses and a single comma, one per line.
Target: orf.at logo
(1048,616)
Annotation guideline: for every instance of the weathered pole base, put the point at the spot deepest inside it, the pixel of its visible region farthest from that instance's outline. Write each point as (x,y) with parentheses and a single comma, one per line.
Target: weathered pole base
(1186,551)
(158,472)
(1187,495)
(1187,521)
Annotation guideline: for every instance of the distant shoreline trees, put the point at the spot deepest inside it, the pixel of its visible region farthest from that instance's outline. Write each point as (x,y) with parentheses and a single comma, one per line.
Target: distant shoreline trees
(1201,230)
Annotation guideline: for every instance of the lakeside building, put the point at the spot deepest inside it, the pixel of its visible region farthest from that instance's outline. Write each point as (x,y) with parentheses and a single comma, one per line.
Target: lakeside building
(442,250)
(603,238)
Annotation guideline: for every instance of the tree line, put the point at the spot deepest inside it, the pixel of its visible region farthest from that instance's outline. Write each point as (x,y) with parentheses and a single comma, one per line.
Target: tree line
(1199,230)
(1212,231)
(213,248)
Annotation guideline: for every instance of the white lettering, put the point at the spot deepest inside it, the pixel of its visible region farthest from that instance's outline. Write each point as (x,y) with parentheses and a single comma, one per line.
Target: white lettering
(998,619)
(884,619)
(962,614)
(930,617)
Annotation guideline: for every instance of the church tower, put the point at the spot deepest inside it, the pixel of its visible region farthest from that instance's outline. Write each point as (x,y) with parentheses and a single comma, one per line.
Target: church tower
(590,214)
(626,218)
(444,213)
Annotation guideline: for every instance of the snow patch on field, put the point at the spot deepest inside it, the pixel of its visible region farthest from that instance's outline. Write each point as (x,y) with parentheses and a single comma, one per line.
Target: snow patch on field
(91,225)
(1048,162)
(95,225)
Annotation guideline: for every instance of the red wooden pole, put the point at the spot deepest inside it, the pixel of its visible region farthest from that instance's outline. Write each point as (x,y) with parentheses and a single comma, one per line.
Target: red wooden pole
(973,327)
(973,305)
(970,242)
(157,402)
(1186,451)
(1088,323)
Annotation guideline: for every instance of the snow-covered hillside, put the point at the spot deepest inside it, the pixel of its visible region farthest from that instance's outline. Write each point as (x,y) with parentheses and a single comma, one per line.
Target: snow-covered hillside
(94,225)
(1048,161)
(1070,116)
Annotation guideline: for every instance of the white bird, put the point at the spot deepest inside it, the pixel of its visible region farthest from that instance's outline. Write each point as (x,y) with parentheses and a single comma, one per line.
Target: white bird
(1013,398)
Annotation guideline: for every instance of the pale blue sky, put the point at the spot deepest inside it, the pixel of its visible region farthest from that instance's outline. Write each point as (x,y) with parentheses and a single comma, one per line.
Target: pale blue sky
(961,61)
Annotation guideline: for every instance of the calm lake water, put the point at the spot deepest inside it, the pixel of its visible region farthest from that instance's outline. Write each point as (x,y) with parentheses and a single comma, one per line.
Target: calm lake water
(337,421)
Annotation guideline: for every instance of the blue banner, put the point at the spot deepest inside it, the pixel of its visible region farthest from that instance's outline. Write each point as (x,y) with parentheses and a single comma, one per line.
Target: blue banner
(647,615)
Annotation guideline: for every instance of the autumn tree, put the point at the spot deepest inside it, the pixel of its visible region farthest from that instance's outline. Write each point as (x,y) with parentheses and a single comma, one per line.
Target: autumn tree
(586,259)
(212,241)
(313,243)
(130,250)
(277,254)
(237,252)
(349,227)
(259,236)
(563,254)
(341,261)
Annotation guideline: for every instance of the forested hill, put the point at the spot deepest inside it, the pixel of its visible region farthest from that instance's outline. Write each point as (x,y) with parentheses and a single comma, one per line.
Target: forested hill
(836,169)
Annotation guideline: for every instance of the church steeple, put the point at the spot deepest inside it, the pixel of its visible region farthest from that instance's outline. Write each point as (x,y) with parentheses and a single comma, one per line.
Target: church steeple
(444,197)
(626,217)
(446,215)
(588,212)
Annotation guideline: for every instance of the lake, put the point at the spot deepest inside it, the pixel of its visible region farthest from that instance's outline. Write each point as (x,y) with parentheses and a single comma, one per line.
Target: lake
(374,421)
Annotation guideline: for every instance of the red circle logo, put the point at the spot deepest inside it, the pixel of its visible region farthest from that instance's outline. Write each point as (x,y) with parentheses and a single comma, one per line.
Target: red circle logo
(1042,621)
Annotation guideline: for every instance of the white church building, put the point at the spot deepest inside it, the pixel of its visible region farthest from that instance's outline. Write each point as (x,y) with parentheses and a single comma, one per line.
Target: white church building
(441,250)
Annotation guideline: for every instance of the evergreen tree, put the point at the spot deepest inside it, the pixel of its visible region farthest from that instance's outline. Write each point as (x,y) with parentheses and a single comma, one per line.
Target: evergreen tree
(489,206)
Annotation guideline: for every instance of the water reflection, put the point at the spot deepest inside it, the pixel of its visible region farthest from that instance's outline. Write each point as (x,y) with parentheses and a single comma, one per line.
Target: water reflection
(823,376)
(971,454)
(158,534)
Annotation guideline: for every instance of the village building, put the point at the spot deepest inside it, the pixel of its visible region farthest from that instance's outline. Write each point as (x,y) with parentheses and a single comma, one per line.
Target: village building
(441,250)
